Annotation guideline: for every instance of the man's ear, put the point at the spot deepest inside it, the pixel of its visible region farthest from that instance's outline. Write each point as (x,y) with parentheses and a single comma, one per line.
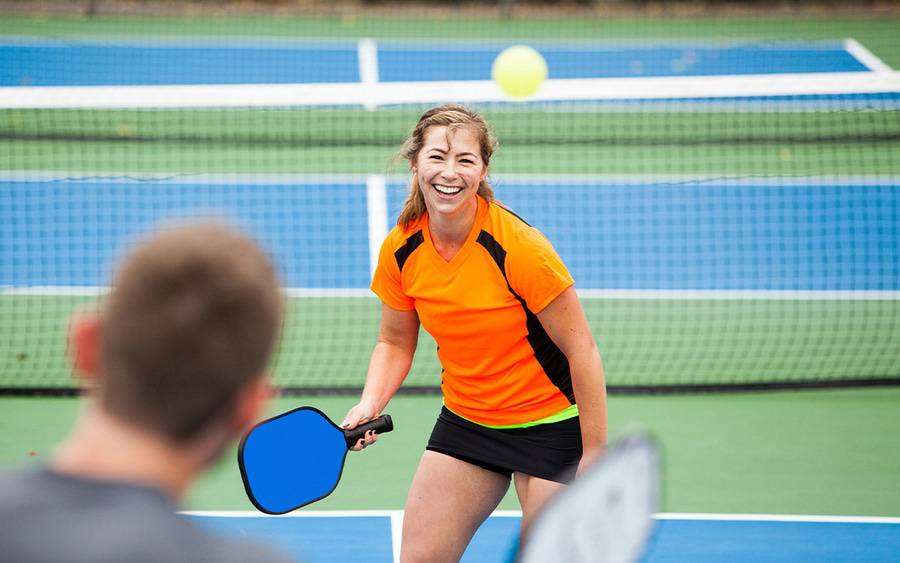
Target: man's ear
(251,404)
(84,345)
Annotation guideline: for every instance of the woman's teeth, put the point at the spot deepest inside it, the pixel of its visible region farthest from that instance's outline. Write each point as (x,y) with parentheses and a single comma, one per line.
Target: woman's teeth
(447,190)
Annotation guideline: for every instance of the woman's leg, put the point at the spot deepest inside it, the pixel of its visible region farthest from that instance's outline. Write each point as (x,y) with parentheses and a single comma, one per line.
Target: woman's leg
(447,502)
(533,492)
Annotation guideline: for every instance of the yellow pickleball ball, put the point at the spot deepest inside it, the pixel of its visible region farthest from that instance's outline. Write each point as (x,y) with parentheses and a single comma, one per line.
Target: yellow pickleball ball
(519,70)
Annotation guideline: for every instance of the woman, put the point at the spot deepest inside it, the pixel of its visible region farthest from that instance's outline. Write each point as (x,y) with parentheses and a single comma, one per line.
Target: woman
(524,395)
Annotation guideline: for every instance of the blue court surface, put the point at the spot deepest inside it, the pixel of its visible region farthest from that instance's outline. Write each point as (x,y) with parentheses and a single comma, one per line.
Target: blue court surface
(361,537)
(41,62)
(839,234)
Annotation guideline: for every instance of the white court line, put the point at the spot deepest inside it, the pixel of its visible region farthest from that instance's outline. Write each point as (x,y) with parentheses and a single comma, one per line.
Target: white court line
(397,516)
(367,50)
(866,57)
(396,533)
(376,199)
(461,91)
(742,294)
(778,518)
(295,514)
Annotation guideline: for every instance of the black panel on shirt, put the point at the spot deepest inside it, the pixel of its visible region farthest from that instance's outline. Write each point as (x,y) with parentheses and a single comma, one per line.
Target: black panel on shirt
(549,356)
(412,243)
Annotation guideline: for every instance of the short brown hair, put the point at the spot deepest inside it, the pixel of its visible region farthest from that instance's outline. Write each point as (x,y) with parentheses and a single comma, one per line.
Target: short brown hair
(192,319)
(453,116)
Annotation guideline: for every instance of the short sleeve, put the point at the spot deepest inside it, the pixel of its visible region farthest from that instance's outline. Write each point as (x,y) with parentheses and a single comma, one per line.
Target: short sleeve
(535,271)
(386,282)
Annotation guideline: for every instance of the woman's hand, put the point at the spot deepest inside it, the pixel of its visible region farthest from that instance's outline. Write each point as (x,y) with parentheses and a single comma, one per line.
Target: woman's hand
(589,458)
(359,414)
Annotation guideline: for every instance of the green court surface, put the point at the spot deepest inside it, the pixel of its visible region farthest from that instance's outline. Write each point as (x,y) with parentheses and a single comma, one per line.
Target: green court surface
(814,452)
(694,341)
(561,141)
(741,161)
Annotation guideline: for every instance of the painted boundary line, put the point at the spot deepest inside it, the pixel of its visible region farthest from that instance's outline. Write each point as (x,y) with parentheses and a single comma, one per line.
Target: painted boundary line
(866,57)
(462,91)
(367,52)
(809,518)
(397,516)
(377,209)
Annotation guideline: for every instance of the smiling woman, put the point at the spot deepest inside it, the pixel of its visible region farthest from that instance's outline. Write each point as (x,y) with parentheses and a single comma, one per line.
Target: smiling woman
(524,393)
(432,140)
(448,172)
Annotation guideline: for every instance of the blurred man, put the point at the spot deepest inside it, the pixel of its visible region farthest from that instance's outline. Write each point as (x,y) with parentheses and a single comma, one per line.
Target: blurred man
(174,369)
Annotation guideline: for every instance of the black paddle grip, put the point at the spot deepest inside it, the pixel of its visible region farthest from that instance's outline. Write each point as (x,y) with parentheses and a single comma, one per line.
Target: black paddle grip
(380,425)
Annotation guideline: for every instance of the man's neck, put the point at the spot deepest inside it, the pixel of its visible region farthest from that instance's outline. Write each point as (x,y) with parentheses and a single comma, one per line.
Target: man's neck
(103,447)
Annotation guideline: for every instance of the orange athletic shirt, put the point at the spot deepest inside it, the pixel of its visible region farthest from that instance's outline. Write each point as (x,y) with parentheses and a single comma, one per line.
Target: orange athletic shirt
(499,365)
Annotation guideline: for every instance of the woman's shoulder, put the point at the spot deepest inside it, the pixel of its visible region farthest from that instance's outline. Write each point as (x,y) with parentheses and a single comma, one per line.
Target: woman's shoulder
(399,235)
(513,231)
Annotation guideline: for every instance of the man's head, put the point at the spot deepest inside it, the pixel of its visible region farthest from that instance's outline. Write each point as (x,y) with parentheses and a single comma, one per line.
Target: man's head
(191,320)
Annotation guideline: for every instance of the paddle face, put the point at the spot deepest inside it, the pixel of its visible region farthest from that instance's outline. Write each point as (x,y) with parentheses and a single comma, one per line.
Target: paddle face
(606,514)
(297,458)
(292,460)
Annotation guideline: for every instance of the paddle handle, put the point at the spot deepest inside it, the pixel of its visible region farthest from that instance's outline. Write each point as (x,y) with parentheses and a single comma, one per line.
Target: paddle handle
(380,425)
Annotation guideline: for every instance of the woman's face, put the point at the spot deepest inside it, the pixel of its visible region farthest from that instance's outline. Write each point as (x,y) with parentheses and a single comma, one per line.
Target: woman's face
(449,170)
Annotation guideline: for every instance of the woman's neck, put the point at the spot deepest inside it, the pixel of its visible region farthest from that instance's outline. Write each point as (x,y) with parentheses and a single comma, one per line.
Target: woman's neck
(452,231)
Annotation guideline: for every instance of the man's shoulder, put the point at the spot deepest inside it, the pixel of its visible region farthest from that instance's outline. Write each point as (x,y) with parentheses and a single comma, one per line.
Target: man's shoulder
(22,486)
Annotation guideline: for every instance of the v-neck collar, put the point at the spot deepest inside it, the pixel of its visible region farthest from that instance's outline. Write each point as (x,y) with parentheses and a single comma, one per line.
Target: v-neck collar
(466,249)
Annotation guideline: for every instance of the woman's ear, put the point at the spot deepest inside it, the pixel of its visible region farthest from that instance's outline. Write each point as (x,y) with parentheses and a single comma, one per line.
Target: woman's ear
(84,345)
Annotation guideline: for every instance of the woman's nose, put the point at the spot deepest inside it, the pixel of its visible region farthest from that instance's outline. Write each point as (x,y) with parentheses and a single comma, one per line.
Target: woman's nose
(449,170)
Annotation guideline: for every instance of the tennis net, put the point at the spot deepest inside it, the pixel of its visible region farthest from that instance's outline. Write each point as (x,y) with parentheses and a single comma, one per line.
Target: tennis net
(725,232)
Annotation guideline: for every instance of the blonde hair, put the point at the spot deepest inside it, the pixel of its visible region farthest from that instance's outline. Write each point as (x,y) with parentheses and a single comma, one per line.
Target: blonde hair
(452,116)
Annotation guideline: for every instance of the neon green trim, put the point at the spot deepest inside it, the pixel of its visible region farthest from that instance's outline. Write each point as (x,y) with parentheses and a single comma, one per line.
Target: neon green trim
(565,414)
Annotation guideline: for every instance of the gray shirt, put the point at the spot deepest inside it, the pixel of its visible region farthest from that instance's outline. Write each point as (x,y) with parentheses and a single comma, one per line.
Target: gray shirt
(49,517)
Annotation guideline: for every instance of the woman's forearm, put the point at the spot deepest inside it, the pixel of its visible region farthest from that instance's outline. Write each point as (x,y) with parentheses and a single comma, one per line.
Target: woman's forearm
(388,367)
(590,394)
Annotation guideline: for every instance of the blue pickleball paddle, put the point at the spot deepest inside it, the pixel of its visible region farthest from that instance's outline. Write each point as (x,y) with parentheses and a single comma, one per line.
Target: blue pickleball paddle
(297,458)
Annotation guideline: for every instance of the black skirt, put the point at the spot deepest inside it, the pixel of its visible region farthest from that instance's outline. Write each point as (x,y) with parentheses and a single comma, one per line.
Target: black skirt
(549,451)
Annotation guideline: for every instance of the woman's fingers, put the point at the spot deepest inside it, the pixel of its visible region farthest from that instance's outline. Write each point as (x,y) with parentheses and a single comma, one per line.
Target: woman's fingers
(367,440)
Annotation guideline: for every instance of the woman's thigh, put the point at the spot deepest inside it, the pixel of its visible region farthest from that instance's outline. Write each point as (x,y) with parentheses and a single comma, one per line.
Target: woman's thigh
(533,493)
(447,502)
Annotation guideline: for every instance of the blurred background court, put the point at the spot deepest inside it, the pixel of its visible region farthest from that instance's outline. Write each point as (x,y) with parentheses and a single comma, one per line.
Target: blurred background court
(722,179)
